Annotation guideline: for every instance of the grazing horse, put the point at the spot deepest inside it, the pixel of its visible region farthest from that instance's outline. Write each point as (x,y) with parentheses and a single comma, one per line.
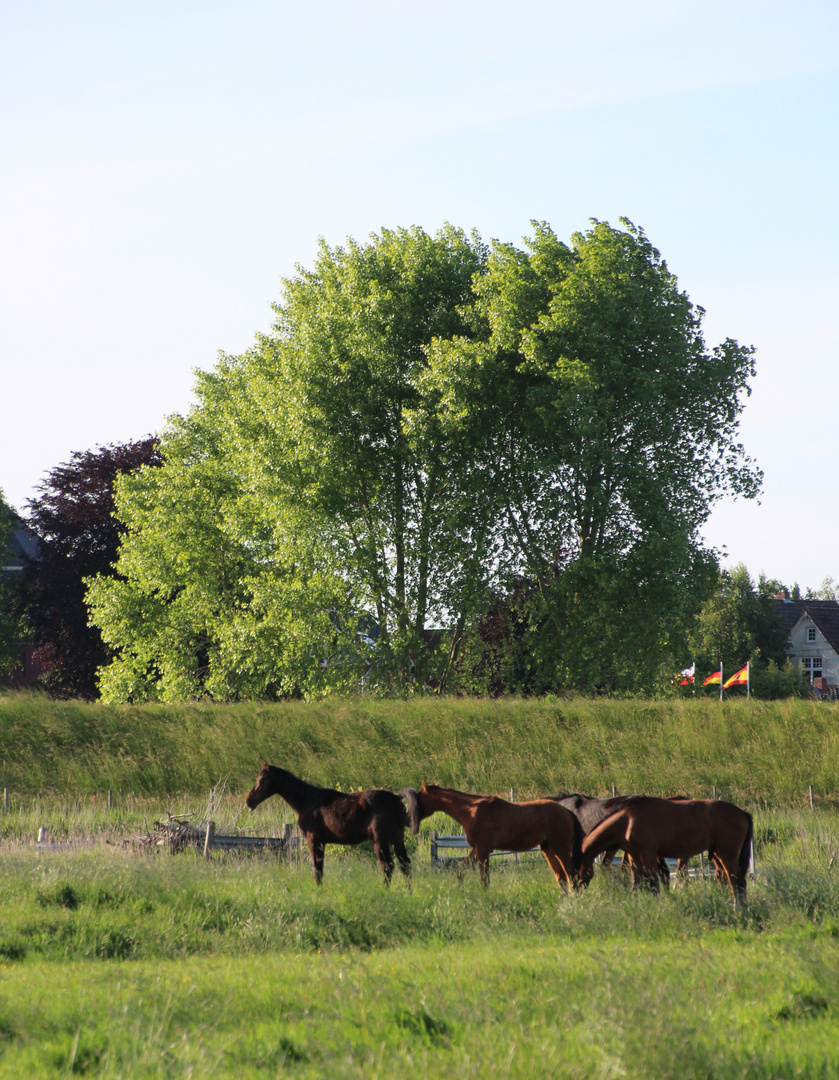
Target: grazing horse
(649,829)
(491,824)
(325,817)
(590,811)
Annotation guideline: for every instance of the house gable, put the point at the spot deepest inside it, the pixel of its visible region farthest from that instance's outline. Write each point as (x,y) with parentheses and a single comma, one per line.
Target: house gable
(812,628)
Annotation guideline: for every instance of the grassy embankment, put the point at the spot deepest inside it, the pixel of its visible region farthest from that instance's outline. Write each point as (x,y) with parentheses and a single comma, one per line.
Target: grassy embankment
(119,965)
(753,752)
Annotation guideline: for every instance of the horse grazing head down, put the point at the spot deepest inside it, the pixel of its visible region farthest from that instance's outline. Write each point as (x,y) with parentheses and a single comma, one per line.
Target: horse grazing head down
(260,789)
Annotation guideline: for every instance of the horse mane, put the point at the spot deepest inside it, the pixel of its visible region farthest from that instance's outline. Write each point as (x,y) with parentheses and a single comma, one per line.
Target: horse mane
(293,789)
(411,797)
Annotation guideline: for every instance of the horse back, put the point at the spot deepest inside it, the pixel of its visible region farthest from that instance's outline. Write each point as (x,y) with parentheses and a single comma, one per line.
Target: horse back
(519,826)
(354,817)
(671,829)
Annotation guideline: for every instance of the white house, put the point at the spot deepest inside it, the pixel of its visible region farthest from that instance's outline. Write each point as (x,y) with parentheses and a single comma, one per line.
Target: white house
(812,628)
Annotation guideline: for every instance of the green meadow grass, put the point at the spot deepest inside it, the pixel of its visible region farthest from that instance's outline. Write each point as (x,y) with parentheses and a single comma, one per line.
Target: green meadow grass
(763,753)
(116,962)
(114,965)
(537,1008)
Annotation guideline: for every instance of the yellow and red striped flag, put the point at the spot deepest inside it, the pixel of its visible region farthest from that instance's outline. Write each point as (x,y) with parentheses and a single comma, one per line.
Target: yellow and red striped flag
(739,678)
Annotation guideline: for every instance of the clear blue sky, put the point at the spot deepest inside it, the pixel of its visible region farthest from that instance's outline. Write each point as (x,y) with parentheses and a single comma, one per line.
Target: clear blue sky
(165,164)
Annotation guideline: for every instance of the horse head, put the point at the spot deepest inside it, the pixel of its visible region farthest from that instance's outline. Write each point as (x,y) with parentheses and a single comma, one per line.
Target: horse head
(260,789)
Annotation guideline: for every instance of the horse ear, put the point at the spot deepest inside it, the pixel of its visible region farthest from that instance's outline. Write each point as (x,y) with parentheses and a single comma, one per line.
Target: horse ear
(424,786)
(264,764)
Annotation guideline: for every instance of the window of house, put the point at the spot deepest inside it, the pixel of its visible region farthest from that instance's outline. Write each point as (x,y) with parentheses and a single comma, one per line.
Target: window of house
(812,667)
(811,633)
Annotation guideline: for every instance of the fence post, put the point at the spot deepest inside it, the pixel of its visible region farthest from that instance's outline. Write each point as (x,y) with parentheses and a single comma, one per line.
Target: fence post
(42,835)
(512,794)
(810,791)
(5,800)
(614,791)
(210,839)
(433,845)
(110,799)
(714,789)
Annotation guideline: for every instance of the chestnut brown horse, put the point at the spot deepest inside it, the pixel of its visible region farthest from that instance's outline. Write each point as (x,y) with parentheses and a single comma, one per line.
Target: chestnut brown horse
(325,816)
(649,829)
(590,810)
(493,824)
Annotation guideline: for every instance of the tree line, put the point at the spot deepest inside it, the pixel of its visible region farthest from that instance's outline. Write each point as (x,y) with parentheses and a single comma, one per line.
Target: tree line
(454,465)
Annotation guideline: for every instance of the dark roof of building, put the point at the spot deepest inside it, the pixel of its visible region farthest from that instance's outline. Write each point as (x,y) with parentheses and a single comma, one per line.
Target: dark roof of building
(24,545)
(824,613)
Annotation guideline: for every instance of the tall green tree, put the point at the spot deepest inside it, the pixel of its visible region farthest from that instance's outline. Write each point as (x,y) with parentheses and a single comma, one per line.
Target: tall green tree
(739,622)
(428,423)
(311,489)
(607,431)
(78,536)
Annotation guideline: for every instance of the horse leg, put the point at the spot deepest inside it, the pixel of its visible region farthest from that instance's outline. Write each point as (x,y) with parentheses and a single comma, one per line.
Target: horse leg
(586,871)
(402,856)
(557,866)
(385,857)
(316,851)
(464,863)
(732,877)
(645,871)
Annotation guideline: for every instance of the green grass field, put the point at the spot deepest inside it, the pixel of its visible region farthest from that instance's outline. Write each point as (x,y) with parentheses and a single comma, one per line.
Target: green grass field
(755,752)
(121,963)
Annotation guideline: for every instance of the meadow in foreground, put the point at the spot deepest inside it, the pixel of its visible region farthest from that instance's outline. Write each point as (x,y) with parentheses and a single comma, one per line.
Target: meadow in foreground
(116,964)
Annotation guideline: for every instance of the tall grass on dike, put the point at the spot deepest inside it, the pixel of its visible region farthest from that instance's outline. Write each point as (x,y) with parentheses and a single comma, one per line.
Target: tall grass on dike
(765,753)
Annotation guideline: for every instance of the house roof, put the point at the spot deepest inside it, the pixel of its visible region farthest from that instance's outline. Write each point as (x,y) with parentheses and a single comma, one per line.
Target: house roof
(23,545)
(823,613)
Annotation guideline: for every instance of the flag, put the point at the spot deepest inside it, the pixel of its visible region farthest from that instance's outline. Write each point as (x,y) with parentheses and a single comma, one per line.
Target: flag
(739,678)
(716,677)
(687,675)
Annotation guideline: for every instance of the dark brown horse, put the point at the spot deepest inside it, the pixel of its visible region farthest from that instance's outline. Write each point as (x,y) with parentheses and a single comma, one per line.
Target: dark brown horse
(326,816)
(649,829)
(493,824)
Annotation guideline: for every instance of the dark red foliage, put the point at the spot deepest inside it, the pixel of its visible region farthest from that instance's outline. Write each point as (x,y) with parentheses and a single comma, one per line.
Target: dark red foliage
(78,537)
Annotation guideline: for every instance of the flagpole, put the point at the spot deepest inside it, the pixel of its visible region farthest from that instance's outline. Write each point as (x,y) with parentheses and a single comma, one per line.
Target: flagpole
(721,680)
(748,684)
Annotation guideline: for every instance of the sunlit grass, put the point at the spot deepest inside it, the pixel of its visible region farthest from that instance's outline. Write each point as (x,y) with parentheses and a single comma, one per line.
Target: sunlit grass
(762,753)
(118,961)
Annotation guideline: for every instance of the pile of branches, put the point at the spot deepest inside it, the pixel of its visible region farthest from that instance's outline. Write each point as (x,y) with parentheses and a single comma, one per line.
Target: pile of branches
(174,835)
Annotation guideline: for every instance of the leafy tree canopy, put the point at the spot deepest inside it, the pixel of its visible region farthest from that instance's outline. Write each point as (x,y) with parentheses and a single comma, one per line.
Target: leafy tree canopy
(78,537)
(430,422)
(739,622)
(606,431)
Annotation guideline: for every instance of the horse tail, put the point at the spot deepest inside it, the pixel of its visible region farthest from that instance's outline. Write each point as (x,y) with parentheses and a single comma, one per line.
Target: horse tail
(409,794)
(746,849)
(611,832)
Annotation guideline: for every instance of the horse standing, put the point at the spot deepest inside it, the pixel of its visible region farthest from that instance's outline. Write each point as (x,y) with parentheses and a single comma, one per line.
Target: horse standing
(325,816)
(649,829)
(491,823)
(591,810)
